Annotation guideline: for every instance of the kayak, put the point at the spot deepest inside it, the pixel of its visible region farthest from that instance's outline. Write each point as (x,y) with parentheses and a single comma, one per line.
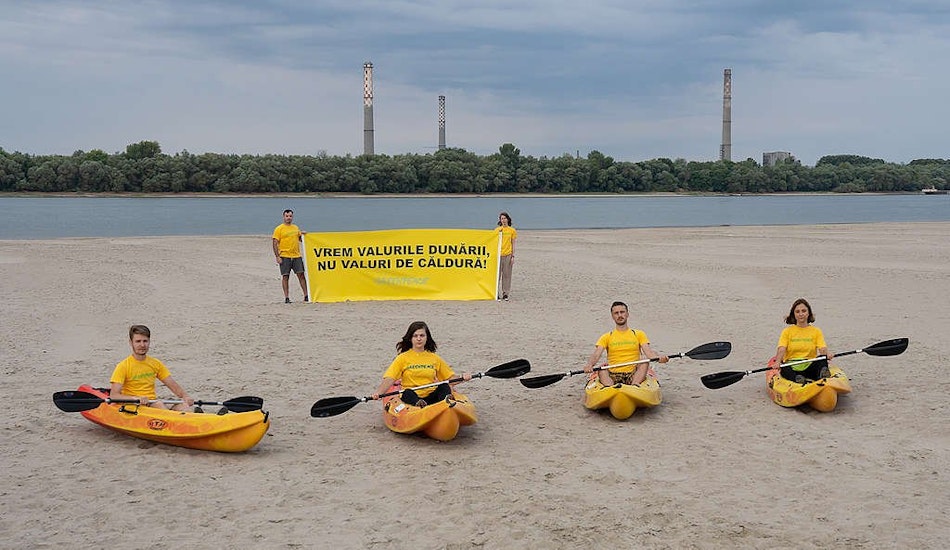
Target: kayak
(622,399)
(229,433)
(821,395)
(439,421)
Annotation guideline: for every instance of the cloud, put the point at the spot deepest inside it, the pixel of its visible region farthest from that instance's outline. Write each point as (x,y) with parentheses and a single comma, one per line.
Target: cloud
(635,80)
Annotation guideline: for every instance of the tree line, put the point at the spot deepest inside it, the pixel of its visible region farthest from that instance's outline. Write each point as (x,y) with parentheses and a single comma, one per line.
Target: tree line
(143,168)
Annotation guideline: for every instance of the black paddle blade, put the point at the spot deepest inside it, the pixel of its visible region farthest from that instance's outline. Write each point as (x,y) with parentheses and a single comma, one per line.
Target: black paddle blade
(76,401)
(332,406)
(888,347)
(511,369)
(712,350)
(244,404)
(721,379)
(541,381)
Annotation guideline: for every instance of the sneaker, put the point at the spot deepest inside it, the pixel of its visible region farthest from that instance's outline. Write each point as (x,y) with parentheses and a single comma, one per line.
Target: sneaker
(421,403)
(199,409)
(505,297)
(306,299)
(799,379)
(223,411)
(287,300)
(825,372)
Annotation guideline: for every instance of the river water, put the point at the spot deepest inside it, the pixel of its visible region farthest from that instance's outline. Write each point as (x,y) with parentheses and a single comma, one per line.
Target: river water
(40,217)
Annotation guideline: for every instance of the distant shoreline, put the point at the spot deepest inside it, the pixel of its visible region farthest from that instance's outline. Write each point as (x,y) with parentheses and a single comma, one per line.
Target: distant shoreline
(192,195)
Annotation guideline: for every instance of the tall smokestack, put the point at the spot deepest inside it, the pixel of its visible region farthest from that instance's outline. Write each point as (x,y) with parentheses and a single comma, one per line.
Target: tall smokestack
(368,108)
(725,150)
(441,122)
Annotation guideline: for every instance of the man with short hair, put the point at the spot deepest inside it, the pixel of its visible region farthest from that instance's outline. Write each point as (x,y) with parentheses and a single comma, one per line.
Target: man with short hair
(286,243)
(134,377)
(623,345)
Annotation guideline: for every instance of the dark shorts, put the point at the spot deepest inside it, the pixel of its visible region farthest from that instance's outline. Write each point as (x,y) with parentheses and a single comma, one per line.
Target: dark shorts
(286,264)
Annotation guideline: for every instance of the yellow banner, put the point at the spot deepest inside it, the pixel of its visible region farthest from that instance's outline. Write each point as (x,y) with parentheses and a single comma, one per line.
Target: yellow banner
(402,264)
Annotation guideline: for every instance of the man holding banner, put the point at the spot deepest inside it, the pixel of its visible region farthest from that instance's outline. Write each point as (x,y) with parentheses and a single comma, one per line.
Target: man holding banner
(286,243)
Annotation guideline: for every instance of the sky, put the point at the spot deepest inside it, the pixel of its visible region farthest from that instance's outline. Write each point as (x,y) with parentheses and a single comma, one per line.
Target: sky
(633,79)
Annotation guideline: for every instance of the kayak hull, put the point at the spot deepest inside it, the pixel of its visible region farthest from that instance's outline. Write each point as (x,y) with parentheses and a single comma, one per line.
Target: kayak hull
(229,433)
(821,395)
(624,400)
(440,421)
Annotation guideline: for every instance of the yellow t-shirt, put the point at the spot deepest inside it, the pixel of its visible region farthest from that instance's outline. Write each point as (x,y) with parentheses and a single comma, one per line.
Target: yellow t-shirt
(289,237)
(138,377)
(623,347)
(801,343)
(416,369)
(508,234)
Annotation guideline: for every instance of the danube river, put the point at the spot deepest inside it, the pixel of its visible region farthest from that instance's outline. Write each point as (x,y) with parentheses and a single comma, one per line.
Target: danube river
(40,217)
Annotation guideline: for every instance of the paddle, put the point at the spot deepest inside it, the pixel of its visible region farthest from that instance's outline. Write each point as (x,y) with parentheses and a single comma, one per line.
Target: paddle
(332,406)
(881,349)
(77,401)
(712,350)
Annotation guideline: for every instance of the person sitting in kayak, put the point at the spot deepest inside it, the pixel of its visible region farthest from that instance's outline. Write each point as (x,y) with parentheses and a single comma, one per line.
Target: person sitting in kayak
(623,345)
(416,365)
(802,340)
(134,377)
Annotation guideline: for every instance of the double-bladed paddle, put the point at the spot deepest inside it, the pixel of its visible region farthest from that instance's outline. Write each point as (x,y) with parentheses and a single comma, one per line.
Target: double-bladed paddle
(722,379)
(78,401)
(712,350)
(332,406)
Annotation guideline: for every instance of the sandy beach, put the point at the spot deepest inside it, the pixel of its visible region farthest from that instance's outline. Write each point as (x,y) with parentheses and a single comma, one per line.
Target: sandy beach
(707,468)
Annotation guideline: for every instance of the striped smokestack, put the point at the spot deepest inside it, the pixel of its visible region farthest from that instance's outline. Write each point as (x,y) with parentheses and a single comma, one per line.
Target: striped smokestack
(368,108)
(725,150)
(441,122)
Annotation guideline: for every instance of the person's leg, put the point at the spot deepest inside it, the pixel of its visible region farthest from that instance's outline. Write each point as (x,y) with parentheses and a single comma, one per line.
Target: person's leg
(789,373)
(409,397)
(285,265)
(303,286)
(817,370)
(297,266)
(505,275)
(441,392)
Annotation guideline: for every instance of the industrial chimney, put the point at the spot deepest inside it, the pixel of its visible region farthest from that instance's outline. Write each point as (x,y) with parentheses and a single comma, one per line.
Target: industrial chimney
(441,122)
(725,150)
(368,108)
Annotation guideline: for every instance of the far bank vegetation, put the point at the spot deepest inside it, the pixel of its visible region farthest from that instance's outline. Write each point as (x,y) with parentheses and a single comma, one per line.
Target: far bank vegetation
(144,168)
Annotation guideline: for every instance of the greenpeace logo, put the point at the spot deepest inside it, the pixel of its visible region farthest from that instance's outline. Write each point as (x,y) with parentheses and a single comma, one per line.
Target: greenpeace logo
(401,281)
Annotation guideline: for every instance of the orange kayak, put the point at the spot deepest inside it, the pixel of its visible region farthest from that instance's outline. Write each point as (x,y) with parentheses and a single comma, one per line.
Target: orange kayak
(821,395)
(439,421)
(230,433)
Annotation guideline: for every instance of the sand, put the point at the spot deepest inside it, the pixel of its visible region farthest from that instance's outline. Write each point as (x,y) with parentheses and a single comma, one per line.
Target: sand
(707,468)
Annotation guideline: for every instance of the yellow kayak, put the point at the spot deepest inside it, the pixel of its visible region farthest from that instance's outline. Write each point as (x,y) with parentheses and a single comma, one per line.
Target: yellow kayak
(230,433)
(821,395)
(439,421)
(622,399)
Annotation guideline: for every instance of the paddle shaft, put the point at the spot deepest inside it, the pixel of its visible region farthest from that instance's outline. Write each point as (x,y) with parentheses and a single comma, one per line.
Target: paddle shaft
(712,350)
(333,406)
(627,364)
(414,388)
(77,401)
(869,349)
(885,348)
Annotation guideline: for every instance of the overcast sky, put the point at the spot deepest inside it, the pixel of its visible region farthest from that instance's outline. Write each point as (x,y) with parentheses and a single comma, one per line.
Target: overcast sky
(633,79)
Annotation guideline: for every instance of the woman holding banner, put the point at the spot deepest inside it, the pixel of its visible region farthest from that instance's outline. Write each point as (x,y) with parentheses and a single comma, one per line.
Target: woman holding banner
(507,258)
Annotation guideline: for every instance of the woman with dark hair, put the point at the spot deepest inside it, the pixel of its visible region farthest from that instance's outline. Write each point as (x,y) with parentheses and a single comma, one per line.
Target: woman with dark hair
(802,340)
(417,365)
(507,257)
